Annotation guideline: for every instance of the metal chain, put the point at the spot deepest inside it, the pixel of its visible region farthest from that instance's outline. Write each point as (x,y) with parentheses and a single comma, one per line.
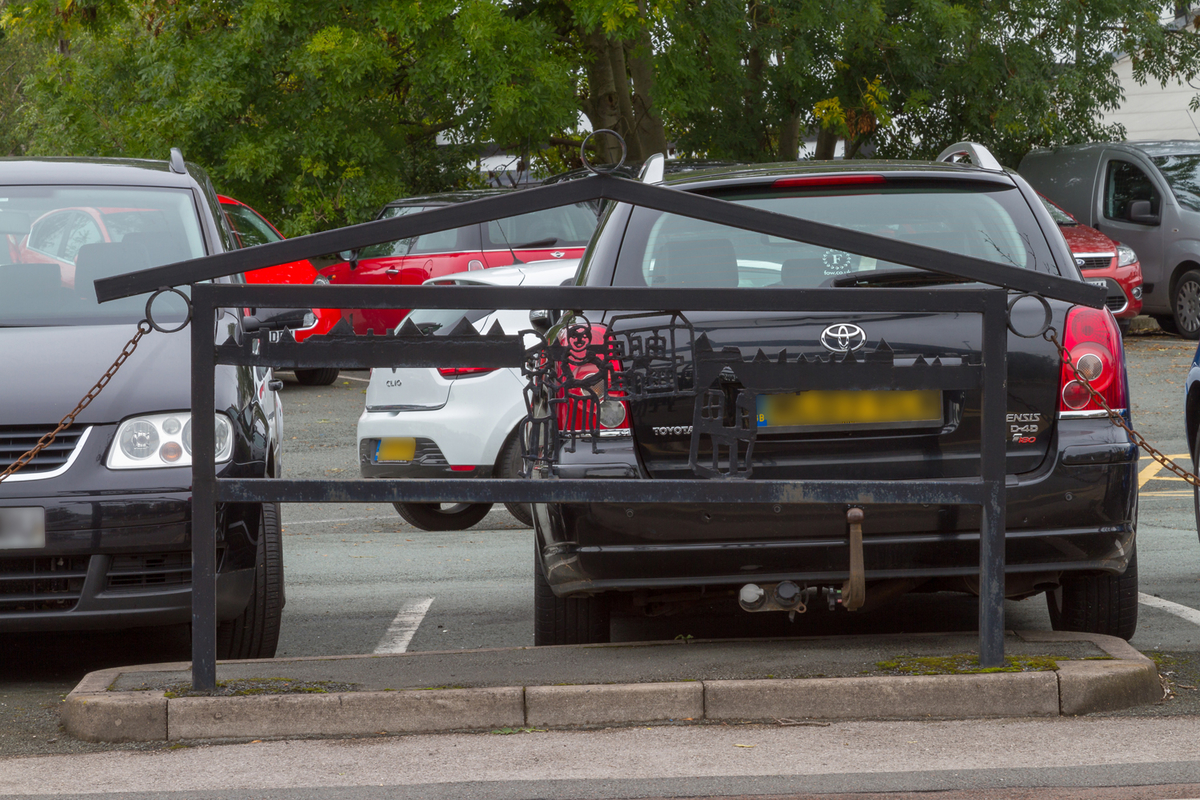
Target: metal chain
(1115,417)
(143,328)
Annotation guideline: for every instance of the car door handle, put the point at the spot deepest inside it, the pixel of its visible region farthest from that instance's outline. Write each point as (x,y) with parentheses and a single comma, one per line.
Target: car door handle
(392,271)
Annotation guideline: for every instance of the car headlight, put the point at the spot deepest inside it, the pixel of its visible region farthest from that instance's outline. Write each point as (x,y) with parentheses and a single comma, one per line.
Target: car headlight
(320,280)
(163,440)
(1125,255)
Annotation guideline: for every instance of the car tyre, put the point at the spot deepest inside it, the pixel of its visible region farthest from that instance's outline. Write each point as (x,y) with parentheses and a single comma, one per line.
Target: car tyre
(566,620)
(442,516)
(1166,322)
(255,632)
(1185,303)
(317,377)
(510,465)
(1102,603)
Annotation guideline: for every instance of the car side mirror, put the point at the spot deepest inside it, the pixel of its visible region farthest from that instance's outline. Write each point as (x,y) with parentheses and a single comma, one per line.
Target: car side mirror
(350,257)
(251,323)
(543,319)
(1139,211)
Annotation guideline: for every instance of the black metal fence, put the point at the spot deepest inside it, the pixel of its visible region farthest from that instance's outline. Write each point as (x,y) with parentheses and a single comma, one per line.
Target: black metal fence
(408,348)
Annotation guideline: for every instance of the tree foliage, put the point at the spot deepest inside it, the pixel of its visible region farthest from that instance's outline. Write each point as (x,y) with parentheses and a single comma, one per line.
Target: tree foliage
(316,113)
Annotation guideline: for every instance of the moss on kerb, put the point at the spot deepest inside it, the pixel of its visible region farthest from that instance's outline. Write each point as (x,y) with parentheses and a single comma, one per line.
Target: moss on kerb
(246,687)
(963,664)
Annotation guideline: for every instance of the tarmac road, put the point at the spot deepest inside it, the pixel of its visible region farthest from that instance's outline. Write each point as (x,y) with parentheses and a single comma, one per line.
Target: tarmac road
(360,579)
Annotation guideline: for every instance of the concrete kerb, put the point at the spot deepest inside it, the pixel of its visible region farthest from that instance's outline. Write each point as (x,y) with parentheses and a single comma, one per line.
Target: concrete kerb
(95,712)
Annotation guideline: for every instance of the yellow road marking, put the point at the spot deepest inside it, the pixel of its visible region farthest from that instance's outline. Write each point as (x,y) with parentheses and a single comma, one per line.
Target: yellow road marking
(1149,471)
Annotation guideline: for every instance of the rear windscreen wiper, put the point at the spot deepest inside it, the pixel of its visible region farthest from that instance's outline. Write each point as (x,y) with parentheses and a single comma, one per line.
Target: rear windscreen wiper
(553,240)
(894,277)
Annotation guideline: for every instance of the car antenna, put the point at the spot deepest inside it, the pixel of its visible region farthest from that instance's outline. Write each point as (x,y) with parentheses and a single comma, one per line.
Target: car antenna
(177,165)
(512,252)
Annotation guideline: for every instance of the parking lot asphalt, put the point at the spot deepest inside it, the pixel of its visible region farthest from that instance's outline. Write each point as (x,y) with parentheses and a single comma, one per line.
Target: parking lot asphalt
(898,677)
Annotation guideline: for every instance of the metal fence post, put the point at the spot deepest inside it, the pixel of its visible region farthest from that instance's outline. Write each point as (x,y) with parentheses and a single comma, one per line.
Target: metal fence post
(992,427)
(204,523)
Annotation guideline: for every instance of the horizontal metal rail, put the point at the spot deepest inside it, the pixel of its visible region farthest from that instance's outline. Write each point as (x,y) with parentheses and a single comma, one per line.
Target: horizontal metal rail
(625,298)
(597,490)
(689,204)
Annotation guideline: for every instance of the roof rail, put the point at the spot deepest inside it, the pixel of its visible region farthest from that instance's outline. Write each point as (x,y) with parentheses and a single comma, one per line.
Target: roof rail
(652,170)
(177,165)
(980,156)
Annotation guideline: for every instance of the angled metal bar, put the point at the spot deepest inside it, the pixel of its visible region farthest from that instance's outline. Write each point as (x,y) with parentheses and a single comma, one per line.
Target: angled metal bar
(689,204)
(595,490)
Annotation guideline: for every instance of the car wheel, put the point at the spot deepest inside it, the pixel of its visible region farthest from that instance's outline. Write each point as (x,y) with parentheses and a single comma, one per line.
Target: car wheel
(255,632)
(443,516)
(317,377)
(566,620)
(1186,305)
(510,466)
(1103,603)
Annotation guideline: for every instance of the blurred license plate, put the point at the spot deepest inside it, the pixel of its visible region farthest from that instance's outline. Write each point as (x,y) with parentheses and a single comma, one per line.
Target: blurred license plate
(22,528)
(850,409)
(399,449)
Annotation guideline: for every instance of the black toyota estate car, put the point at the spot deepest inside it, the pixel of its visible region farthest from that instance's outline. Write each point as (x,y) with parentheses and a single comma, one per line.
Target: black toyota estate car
(1071,488)
(95,531)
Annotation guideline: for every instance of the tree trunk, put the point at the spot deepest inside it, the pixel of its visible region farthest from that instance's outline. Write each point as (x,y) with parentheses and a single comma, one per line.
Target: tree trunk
(648,126)
(628,127)
(826,144)
(789,138)
(602,106)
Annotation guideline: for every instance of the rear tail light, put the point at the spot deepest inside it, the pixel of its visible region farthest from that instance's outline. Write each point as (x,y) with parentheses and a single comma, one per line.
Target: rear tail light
(595,402)
(1093,343)
(462,372)
(821,181)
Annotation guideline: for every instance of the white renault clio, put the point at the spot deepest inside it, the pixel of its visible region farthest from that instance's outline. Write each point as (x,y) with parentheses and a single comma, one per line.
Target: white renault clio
(452,422)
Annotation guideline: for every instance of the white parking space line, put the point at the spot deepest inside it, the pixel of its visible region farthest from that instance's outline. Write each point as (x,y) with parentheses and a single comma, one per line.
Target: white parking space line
(401,631)
(352,378)
(1190,614)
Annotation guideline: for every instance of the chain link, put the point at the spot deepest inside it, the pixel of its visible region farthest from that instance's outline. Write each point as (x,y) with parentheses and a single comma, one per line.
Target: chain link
(1115,417)
(143,328)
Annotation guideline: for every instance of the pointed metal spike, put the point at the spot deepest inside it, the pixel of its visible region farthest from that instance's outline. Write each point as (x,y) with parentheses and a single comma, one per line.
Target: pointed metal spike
(463,328)
(496,330)
(408,328)
(703,344)
(760,357)
(883,347)
(342,328)
(920,361)
(783,356)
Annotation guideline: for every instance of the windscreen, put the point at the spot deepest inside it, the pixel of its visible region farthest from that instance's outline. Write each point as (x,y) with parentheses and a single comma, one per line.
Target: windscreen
(1183,176)
(61,239)
(250,228)
(989,222)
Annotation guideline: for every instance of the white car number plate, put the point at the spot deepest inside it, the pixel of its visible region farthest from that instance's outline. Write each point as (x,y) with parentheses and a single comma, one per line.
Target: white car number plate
(1103,284)
(22,528)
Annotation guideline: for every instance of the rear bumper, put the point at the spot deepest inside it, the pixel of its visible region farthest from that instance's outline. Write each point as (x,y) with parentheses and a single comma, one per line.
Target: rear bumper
(1076,513)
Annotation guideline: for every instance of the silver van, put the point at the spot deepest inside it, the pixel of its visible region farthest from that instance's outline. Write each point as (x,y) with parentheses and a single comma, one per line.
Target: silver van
(1145,195)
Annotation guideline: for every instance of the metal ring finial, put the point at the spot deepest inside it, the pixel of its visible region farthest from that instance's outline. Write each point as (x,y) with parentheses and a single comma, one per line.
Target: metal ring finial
(187,301)
(1049,318)
(595,170)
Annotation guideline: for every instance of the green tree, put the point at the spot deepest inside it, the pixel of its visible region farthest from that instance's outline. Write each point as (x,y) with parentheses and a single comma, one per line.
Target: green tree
(316,113)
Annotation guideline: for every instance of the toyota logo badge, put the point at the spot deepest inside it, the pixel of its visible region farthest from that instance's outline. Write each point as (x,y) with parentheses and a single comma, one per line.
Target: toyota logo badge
(843,338)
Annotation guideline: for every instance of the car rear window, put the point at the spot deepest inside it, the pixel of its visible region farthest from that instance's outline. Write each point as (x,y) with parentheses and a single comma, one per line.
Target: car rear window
(565,226)
(981,220)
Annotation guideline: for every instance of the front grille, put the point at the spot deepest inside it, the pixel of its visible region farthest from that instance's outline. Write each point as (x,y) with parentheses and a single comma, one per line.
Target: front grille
(1094,262)
(16,440)
(131,573)
(43,583)
(1116,302)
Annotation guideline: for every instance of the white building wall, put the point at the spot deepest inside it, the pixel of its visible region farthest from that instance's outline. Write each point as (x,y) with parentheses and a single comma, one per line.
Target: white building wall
(1154,111)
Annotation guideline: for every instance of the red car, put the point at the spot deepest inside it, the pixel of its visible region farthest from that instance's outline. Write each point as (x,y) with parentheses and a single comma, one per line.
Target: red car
(1103,262)
(252,228)
(556,233)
